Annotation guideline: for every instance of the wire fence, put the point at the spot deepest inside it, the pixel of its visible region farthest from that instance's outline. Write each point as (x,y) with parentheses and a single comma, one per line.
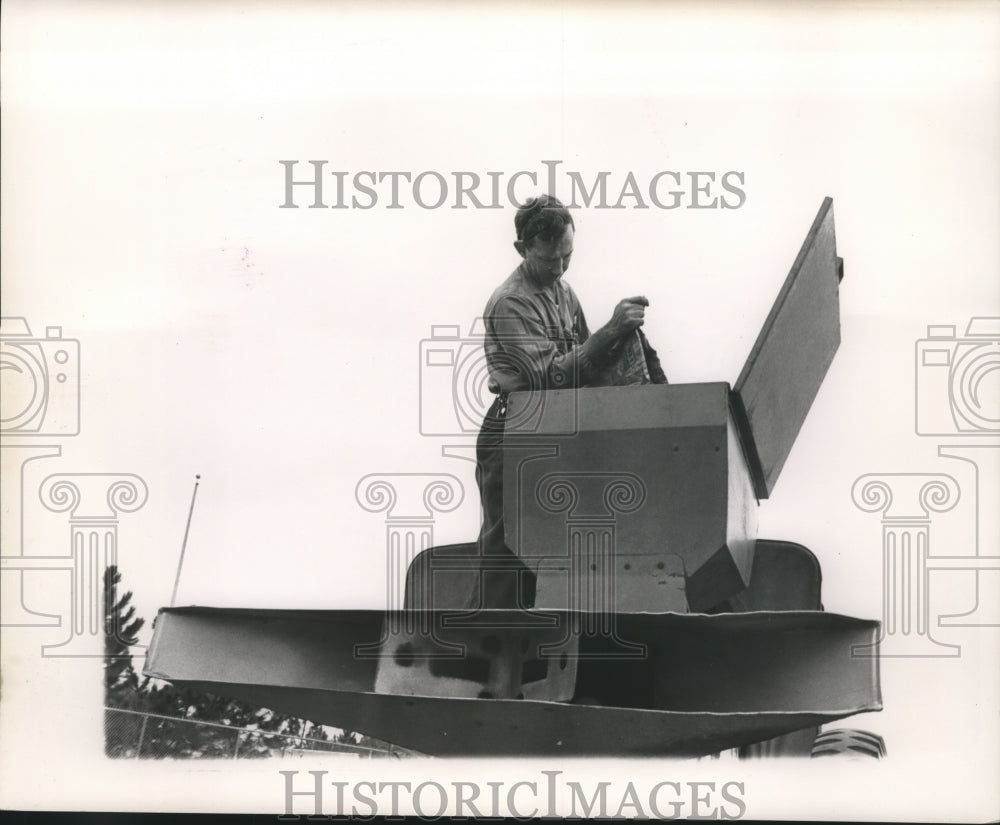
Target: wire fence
(131,734)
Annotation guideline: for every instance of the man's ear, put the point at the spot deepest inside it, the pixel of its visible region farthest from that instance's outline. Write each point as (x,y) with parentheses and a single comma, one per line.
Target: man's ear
(521,248)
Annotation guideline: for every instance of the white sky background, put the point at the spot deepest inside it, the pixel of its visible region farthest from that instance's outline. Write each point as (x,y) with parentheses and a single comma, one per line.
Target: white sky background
(275,352)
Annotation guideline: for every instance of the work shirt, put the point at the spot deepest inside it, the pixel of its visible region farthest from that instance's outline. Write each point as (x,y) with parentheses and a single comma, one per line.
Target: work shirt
(532,336)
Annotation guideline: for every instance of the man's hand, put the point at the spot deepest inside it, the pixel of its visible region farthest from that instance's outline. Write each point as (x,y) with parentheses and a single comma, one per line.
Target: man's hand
(629,315)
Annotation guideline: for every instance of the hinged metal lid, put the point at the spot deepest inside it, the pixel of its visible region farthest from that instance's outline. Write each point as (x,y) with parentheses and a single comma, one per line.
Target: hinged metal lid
(790,358)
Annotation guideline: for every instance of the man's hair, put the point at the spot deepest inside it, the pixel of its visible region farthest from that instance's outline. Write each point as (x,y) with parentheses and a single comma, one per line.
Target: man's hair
(543,217)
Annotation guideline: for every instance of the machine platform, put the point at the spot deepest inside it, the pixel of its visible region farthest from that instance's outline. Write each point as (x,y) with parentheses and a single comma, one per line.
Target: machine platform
(666,685)
(625,508)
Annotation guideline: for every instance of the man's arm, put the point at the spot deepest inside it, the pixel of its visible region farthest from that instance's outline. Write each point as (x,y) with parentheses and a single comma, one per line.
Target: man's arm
(527,359)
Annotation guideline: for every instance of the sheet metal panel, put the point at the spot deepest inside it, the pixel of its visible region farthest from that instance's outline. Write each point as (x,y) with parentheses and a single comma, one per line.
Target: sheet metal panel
(703,683)
(790,358)
(494,727)
(648,470)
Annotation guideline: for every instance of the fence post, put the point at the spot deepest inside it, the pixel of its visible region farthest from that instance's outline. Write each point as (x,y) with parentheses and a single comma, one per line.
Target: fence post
(142,733)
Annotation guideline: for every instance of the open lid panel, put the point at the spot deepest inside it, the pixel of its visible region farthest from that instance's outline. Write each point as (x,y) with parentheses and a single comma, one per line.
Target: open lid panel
(790,358)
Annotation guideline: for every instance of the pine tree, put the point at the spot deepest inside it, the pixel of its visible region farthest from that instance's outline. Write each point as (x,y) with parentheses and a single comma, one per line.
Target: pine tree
(122,688)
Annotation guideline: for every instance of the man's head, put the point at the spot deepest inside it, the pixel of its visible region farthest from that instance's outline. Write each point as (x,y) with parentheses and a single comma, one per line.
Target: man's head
(544,238)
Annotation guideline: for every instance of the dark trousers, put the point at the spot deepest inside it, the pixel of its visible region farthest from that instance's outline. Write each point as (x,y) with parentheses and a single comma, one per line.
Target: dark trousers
(504,581)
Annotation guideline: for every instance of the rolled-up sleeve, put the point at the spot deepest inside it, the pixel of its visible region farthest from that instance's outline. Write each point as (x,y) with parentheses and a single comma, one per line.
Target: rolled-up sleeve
(524,353)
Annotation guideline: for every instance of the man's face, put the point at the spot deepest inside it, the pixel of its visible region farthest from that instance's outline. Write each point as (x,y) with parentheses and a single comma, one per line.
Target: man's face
(546,261)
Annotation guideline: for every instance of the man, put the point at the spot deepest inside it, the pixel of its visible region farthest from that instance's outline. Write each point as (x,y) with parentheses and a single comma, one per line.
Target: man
(536,339)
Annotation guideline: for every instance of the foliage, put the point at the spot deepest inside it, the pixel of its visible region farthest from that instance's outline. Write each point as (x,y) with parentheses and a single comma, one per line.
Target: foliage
(121,626)
(129,735)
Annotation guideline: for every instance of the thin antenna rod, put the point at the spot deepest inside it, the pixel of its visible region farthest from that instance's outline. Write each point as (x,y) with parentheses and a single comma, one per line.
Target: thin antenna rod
(180,561)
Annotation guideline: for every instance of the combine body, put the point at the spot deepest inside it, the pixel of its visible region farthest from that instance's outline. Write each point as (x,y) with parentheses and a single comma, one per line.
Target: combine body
(652,621)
